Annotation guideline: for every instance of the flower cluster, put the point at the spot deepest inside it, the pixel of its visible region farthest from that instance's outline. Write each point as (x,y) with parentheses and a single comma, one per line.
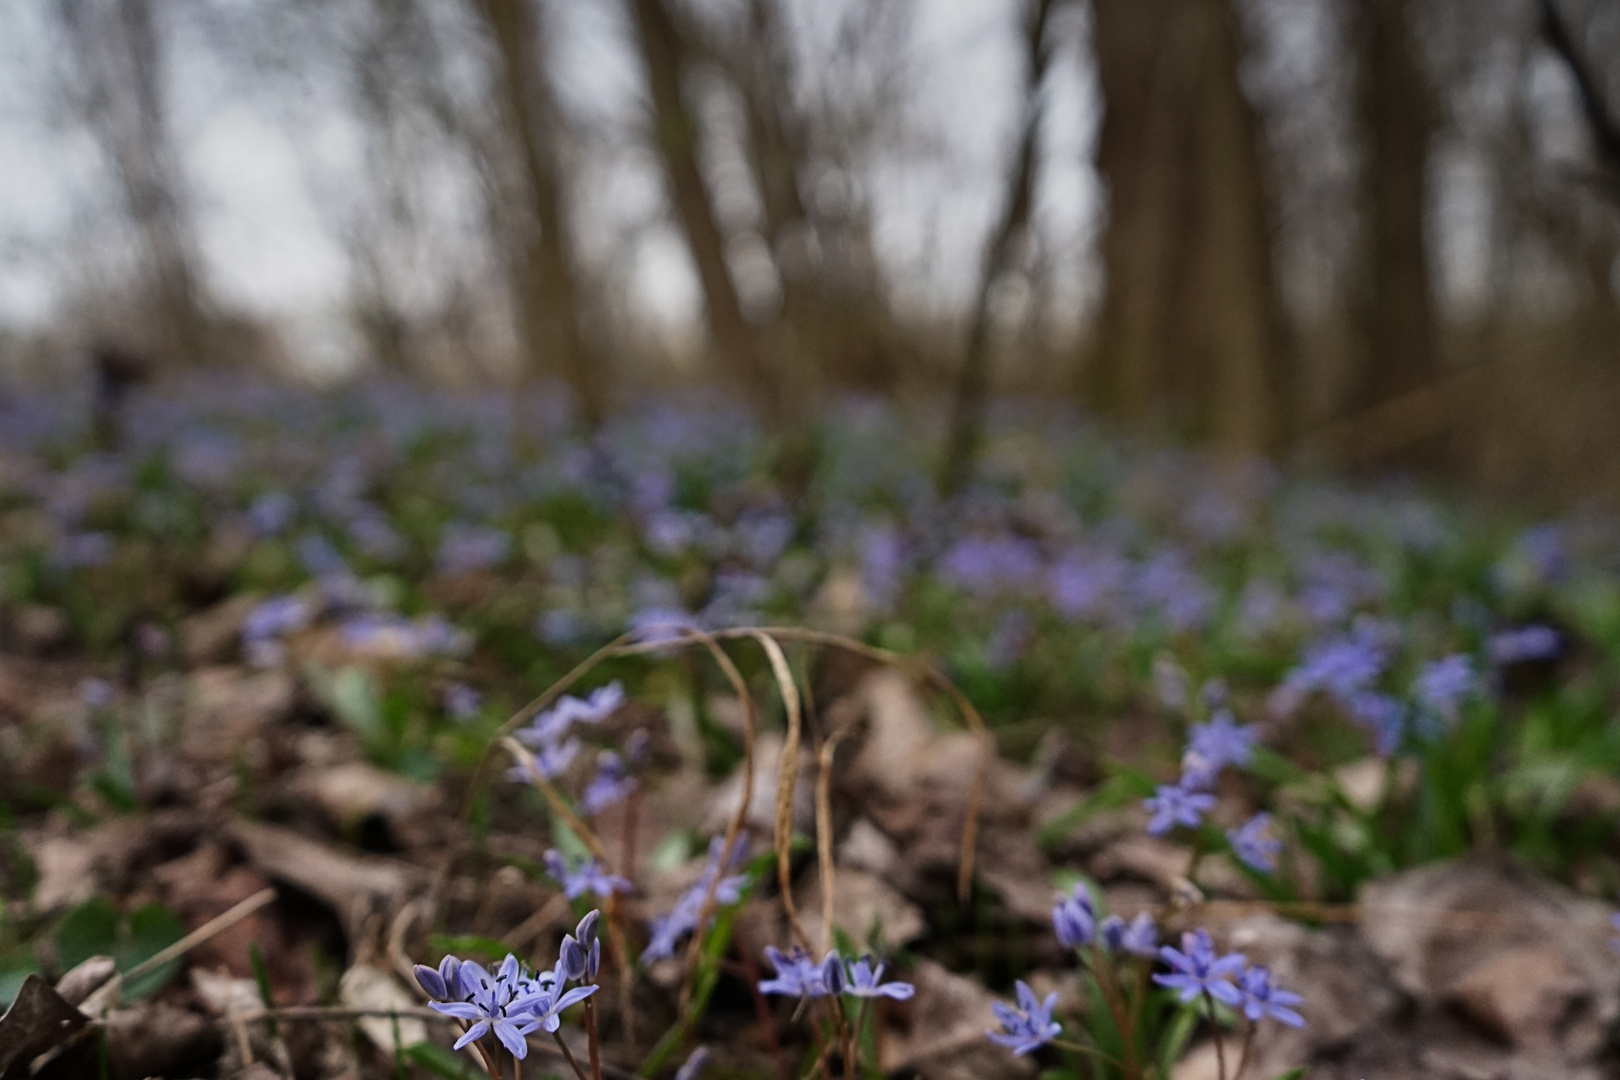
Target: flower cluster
(588,877)
(512,1002)
(668,930)
(548,734)
(1195,971)
(1211,747)
(799,975)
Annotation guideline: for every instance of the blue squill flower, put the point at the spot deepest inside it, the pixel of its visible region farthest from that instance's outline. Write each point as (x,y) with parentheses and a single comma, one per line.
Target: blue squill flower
(493,1004)
(1195,969)
(799,975)
(462,702)
(667,930)
(1075,919)
(1213,746)
(610,786)
(1029,1027)
(1443,685)
(1255,845)
(1614,922)
(866,980)
(1523,644)
(589,878)
(1139,936)
(1261,1000)
(1174,805)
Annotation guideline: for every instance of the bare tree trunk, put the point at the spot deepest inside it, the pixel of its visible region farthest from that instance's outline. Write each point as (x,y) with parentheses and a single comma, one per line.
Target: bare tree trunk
(120,66)
(1395,313)
(1236,339)
(549,296)
(1189,335)
(664,57)
(969,400)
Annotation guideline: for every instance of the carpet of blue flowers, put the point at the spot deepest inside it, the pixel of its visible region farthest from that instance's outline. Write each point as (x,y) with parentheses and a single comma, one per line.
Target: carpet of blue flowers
(601,754)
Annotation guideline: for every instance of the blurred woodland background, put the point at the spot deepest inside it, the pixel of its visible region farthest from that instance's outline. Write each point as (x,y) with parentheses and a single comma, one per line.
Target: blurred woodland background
(1365,233)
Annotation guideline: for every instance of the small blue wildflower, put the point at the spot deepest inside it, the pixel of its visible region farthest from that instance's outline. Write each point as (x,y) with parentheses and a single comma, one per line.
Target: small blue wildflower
(1255,845)
(1029,1027)
(1213,746)
(462,702)
(1139,937)
(1614,923)
(799,975)
(1075,919)
(318,557)
(1261,1000)
(1523,644)
(1383,716)
(548,762)
(693,1065)
(661,626)
(96,693)
(466,548)
(610,786)
(549,1002)
(272,512)
(589,878)
(508,1004)
(1174,805)
(1443,685)
(865,980)
(1195,969)
(667,930)
(276,617)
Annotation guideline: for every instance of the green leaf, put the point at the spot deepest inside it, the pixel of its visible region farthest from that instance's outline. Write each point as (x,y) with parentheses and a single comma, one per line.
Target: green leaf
(152,928)
(439,1061)
(351,696)
(1293,1074)
(463,944)
(261,979)
(91,929)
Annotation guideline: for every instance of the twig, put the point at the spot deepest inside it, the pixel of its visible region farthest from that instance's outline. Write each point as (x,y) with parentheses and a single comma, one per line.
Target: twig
(213,926)
(568,1054)
(591,1040)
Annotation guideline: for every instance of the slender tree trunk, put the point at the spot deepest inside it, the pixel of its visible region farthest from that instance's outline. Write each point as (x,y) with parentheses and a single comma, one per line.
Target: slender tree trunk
(549,306)
(120,64)
(970,398)
(664,59)
(1395,314)
(1189,335)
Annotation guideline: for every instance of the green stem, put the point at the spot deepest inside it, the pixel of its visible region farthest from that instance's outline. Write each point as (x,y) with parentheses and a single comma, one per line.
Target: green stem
(1220,1047)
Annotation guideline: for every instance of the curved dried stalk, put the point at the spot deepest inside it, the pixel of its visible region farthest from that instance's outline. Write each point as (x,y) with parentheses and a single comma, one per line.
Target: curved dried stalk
(787,778)
(927,675)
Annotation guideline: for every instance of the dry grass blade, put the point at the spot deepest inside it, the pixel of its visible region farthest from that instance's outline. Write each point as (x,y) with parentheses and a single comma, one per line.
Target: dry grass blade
(734,826)
(929,677)
(554,799)
(787,775)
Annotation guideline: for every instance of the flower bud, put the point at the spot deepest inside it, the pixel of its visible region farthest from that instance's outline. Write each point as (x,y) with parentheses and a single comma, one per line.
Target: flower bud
(571,959)
(431,982)
(586,931)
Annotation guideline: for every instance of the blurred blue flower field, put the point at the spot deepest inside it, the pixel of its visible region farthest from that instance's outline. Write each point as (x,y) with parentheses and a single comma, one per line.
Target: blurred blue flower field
(265,637)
